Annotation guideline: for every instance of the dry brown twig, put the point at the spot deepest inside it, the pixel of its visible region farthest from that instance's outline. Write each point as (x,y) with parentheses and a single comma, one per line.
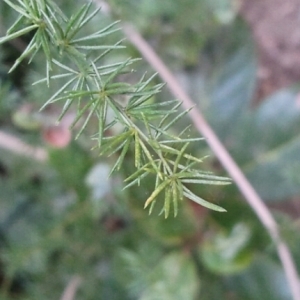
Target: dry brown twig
(71,289)
(15,145)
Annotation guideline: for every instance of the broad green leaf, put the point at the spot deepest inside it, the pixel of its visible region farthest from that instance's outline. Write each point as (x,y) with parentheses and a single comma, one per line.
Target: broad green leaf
(264,279)
(100,185)
(225,88)
(272,147)
(71,165)
(232,91)
(227,253)
(276,176)
(133,267)
(174,278)
(225,11)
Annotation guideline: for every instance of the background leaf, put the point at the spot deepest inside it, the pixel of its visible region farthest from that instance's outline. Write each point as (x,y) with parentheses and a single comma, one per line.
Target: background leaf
(63,217)
(274,169)
(173,278)
(266,279)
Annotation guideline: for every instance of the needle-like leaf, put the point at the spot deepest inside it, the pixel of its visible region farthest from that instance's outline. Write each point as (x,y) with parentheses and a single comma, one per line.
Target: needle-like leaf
(156,192)
(92,82)
(190,195)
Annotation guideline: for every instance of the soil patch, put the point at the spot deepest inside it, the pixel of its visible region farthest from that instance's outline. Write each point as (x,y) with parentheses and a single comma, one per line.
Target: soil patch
(275,25)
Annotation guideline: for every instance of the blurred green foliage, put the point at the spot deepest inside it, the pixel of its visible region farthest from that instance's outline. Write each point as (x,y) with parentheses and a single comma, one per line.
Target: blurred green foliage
(64,217)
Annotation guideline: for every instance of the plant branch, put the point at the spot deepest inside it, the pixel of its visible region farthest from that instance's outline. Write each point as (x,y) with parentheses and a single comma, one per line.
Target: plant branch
(222,154)
(94,89)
